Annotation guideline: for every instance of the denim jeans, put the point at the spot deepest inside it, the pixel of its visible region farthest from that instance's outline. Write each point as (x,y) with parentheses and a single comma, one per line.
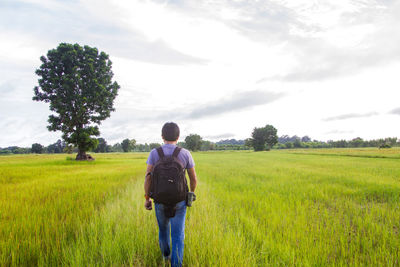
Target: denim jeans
(175,226)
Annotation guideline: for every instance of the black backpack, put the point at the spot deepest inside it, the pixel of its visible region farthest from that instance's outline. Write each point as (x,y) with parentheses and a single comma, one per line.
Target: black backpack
(168,181)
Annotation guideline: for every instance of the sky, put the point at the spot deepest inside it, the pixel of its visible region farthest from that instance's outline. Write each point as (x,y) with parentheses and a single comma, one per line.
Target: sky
(327,69)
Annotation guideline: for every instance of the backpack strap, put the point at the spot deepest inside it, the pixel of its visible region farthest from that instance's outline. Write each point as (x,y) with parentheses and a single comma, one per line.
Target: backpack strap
(176,152)
(160,152)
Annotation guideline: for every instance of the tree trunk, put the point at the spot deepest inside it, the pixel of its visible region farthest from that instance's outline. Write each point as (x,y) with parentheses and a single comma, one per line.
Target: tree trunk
(83,156)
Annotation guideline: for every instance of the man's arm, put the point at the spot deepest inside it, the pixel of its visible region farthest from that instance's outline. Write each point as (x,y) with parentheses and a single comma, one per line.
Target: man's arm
(193,179)
(147,184)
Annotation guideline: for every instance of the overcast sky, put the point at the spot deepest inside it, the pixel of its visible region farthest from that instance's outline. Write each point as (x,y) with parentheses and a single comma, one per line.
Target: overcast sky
(328,69)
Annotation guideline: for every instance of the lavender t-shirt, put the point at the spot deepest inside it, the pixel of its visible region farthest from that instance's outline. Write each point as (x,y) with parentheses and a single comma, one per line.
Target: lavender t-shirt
(184,156)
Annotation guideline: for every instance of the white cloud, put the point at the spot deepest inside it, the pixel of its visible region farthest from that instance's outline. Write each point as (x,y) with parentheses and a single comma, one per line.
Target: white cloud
(395,111)
(351,116)
(213,66)
(220,136)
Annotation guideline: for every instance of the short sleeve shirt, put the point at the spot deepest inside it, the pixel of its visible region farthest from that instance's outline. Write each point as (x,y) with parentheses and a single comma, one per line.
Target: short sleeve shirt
(184,156)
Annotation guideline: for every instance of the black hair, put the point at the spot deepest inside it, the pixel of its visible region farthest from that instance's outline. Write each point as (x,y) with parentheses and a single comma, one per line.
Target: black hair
(170,131)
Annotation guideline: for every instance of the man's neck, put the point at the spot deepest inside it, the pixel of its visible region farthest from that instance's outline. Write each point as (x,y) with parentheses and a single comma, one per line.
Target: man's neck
(170,142)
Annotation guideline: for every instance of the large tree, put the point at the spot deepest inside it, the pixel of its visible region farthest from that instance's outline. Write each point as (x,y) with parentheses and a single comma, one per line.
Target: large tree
(193,142)
(77,82)
(263,138)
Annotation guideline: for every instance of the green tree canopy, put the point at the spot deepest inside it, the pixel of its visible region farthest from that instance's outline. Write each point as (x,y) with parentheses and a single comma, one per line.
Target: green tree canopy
(154,145)
(248,142)
(57,147)
(263,138)
(77,82)
(37,148)
(128,145)
(207,145)
(193,142)
(102,146)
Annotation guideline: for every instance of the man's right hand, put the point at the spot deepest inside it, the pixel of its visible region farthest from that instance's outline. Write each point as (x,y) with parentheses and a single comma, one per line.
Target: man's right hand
(147,205)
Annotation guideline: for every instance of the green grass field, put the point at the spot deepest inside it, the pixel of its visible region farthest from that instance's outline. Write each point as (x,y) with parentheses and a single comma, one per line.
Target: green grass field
(279,208)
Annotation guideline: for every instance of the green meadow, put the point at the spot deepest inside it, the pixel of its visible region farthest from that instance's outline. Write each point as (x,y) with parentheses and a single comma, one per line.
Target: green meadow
(328,207)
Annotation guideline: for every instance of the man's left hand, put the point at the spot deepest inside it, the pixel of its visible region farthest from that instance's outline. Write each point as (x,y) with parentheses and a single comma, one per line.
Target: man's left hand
(147,204)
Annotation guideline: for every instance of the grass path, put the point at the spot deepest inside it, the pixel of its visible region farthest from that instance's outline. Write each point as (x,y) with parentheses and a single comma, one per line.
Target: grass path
(123,233)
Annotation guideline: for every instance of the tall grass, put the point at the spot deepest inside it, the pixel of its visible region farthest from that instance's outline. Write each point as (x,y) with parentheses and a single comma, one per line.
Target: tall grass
(272,208)
(46,199)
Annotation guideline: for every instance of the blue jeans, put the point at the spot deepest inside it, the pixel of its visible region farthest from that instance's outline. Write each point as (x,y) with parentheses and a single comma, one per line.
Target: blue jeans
(177,225)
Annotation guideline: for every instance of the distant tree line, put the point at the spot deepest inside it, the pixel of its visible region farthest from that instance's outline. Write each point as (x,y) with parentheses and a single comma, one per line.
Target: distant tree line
(286,142)
(127,145)
(195,142)
(230,142)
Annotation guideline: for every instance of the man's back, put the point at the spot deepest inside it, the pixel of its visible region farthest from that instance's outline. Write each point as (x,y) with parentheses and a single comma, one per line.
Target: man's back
(184,156)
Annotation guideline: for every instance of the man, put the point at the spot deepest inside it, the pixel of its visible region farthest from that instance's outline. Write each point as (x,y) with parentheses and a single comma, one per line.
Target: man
(175,224)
